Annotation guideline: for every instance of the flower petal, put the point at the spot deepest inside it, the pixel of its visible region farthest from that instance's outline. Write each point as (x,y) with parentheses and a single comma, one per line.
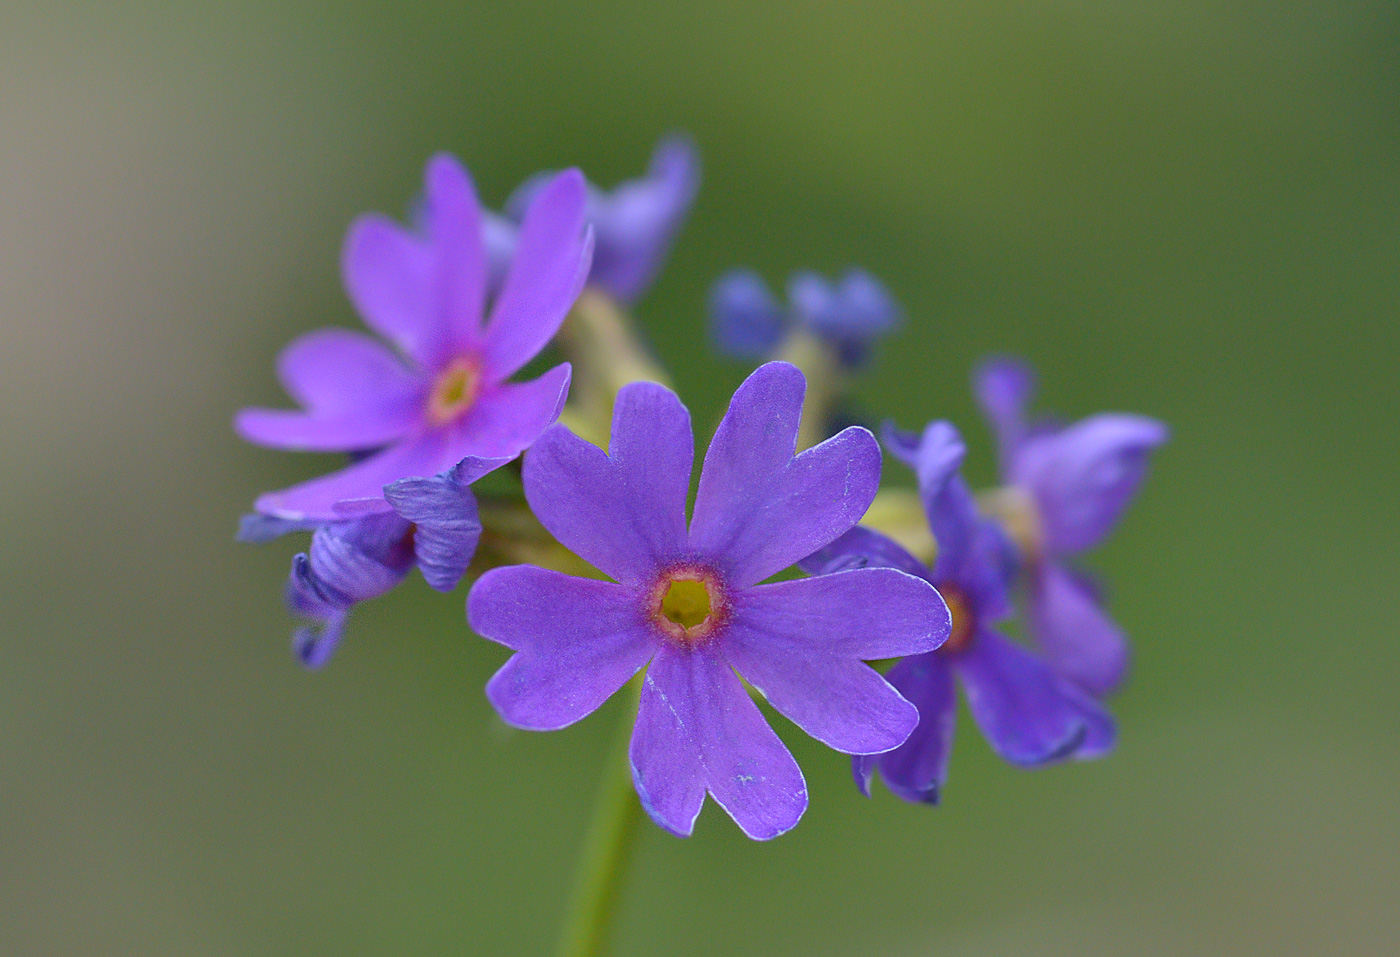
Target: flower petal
(637,222)
(801,644)
(918,768)
(971,551)
(444,513)
(1071,628)
(863,547)
(758,509)
(422,454)
(624,512)
(1084,475)
(697,730)
(859,614)
(745,319)
(346,432)
(339,370)
(850,314)
(360,559)
(508,418)
(1029,715)
(256,529)
(454,223)
(314,645)
(552,256)
(389,275)
(1004,386)
(355,392)
(349,562)
(577,640)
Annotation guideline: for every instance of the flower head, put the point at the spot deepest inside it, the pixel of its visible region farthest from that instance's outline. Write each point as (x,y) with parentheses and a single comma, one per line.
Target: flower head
(445,394)
(848,315)
(1067,487)
(434,526)
(1028,713)
(686,601)
(634,225)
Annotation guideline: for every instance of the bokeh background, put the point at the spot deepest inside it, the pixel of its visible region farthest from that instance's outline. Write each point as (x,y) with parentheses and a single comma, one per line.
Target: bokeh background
(1185,208)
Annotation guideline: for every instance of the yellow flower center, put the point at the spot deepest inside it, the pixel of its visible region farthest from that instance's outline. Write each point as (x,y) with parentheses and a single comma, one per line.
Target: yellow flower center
(688,605)
(963,622)
(454,391)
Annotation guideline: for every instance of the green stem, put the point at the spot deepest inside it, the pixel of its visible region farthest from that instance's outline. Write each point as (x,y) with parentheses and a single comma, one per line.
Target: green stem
(607,849)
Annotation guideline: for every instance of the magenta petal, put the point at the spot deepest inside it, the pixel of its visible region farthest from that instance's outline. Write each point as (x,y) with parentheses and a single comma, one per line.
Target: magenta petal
(356,395)
(508,418)
(550,266)
(1004,386)
(454,223)
(300,432)
(801,644)
(1029,715)
(1076,635)
(842,702)
(423,454)
(624,512)
(577,641)
(339,370)
(389,275)
(917,769)
(862,614)
(758,509)
(1084,475)
(698,730)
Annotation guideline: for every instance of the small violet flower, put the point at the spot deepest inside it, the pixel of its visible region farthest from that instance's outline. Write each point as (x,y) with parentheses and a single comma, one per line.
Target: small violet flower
(1029,714)
(447,394)
(1067,486)
(634,225)
(849,315)
(434,525)
(687,604)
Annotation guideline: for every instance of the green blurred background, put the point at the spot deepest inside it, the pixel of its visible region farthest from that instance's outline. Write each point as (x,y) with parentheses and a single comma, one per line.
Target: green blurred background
(1188,209)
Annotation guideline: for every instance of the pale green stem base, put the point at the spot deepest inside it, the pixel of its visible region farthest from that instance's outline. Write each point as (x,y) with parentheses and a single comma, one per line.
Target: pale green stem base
(607,849)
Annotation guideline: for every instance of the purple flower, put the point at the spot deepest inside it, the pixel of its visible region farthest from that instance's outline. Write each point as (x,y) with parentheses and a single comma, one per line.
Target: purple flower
(634,225)
(1069,484)
(849,315)
(447,395)
(686,603)
(1029,714)
(433,526)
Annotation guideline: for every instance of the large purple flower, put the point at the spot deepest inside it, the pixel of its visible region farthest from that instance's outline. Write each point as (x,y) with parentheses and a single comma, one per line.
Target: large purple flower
(687,603)
(1067,486)
(447,395)
(1029,714)
(634,224)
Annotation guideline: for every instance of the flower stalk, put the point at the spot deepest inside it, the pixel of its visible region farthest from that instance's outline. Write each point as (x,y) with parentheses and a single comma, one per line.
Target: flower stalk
(607,848)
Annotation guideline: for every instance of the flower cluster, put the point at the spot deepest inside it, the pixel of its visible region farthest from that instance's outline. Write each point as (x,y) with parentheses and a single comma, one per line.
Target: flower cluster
(791,577)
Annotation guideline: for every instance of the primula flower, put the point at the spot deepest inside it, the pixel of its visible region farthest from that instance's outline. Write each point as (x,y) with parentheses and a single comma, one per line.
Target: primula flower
(687,605)
(434,526)
(1028,713)
(447,395)
(849,315)
(1067,486)
(634,225)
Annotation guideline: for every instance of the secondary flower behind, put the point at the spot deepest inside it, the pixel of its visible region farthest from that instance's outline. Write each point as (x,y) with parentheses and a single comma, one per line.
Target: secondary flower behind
(1066,488)
(688,603)
(634,224)
(446,394)
(1029,713)
(848,315)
